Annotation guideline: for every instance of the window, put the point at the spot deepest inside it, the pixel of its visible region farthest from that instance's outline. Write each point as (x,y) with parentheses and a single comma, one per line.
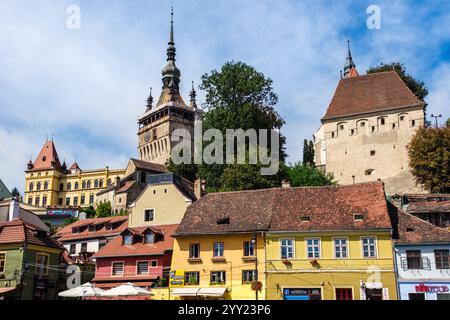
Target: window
(36,201)
(374,294)
(69,186)
(154,263)
(45,185)
(402,118)
(95,183)
(413,123)
(76,185)
(149,214)
(84,247)
(393,126)
(442,259)
(67,201)
(128,239)
(249,248)
(362,124)
(352,132)
(83,184)
(72,248)
(313,248)
(30,201)
(218,249)
(109,182)
(373,129)
(416,296)
(369,247)
(340,248)
(38,186)
(192,278)
(100,183)
(92,228)
(108,226)
(341,127)
(44,200)
(120,200)
(31,186)
(75,201)
(117,268)
(149,237)
(248,276)
(382,121)
(91,198)
(287,248)
(372,152)
(42,263)
(414,259)
(344,294)
(61,186)
(218,277)
(369,172)
(443,296)
(60,201)
(88,184)
(82,199)
(142,267)
(194,250)
(2,262)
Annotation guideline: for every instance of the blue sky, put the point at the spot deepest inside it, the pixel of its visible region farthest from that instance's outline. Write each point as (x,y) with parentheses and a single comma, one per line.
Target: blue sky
(88,86)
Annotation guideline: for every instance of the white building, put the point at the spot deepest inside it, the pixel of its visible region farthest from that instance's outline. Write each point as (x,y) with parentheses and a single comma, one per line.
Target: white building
(421,259)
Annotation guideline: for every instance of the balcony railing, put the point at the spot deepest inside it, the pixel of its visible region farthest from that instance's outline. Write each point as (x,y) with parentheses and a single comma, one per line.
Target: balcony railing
(423,264)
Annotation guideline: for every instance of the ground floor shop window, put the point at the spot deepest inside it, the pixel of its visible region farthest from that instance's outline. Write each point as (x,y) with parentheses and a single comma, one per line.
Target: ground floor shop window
(302,294)
(344,294)
(374,294)
(416,296)
(443,296)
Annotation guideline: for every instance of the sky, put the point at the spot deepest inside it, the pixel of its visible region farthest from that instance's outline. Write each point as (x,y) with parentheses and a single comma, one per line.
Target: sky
(86,87)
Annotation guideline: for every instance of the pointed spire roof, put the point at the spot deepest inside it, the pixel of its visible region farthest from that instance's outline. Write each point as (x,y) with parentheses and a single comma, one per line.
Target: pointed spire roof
(171,74)
(74,166)
(150,100)
(349,67)
(193,96)
(47,158)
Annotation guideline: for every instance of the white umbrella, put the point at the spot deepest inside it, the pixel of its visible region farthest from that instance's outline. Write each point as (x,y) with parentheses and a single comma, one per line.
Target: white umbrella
(85,290)
(127,289)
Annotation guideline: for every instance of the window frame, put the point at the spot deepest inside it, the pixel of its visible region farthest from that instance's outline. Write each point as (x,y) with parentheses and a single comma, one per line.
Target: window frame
(153,216)
(219,273)
(186,282)
(191,245)
(221,245)
(46,270)
(442,265)
(112,268)
(375,244)
(346,246)
(137,267)
(319,245)
(4,253)
(253,273)
(281,248)
(74,246)
(252,245)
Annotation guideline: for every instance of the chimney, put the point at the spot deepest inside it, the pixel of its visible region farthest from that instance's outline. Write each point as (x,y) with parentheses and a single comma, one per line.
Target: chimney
(14,209)
(199,188)
(285,183)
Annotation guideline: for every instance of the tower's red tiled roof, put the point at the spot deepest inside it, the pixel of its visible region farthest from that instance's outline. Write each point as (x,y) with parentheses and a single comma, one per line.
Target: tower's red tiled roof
(47,158)
(370,93)
(75,166)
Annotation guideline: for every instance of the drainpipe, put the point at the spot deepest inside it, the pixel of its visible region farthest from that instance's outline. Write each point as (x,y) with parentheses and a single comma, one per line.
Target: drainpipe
(255,244)
(397,285)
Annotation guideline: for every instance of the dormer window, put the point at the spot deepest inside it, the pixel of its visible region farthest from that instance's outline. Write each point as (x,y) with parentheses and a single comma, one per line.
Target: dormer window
(305,218)
(149,237)
(223,220)
(409,229)
(109,226)
(75,230)
(92,228)
(127,239)
(358,217)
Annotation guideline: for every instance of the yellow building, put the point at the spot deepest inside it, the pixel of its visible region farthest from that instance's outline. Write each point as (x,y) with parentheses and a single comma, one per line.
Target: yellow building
(312,243)
(48,183)
(331,243)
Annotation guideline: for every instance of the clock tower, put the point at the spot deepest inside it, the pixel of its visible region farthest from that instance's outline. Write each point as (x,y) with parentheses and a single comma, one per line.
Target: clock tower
(170,113)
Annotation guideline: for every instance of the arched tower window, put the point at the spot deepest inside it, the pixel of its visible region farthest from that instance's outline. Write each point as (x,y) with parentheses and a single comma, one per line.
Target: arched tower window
(31,186)
(45,185)
(76,185)
(100,183)
(83,184)
(88,184)
(38,186)
(95,183)
(69,186)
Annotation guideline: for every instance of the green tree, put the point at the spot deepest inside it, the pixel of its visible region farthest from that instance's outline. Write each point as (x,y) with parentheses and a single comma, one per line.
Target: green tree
(237,97)
(416,86)
(186,170)
(448,122)
(103,209)
(429,158)
(90,212)
(305,175)
(308,152)
(15,192)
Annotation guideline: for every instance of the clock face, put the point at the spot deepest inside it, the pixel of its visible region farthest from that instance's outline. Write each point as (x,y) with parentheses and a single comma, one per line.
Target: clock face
(147,136)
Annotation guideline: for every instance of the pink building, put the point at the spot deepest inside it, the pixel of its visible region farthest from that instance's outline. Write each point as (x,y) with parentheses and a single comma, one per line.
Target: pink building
(139,255)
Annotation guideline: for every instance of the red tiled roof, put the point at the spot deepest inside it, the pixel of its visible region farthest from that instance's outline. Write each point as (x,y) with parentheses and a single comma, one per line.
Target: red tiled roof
(141,164)
(115,247)
(127,185)
(282,209)
(428,207)
(409,229)
(370,93)
(47,158)
(75,166)
(66,234)
(17,231)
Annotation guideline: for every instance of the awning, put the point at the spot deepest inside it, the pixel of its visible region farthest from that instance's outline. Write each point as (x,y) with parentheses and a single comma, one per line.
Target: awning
(212,291)
(7,289)
(187,292)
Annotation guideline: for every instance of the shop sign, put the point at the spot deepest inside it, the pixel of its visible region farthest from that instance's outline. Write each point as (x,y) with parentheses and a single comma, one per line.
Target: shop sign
(63,212)
(431,289)
(176,278)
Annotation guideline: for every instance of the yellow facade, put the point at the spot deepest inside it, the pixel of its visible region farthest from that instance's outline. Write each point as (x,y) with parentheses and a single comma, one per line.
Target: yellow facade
(331,277)
(168,203)
(54,188)
(234,263)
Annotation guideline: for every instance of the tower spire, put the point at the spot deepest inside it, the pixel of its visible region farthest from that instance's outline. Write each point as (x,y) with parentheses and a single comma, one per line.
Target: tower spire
(171,74)
(349,67)
(193,96)
(150,100)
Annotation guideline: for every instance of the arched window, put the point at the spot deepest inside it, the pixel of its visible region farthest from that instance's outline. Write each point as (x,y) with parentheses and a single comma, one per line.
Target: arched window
(76,185)
(69,186)
(101,183)
(38,186)
(88,184)
(61,186)
(83,184)
(109,182)
(31,186)
(95,183)
(45,185)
